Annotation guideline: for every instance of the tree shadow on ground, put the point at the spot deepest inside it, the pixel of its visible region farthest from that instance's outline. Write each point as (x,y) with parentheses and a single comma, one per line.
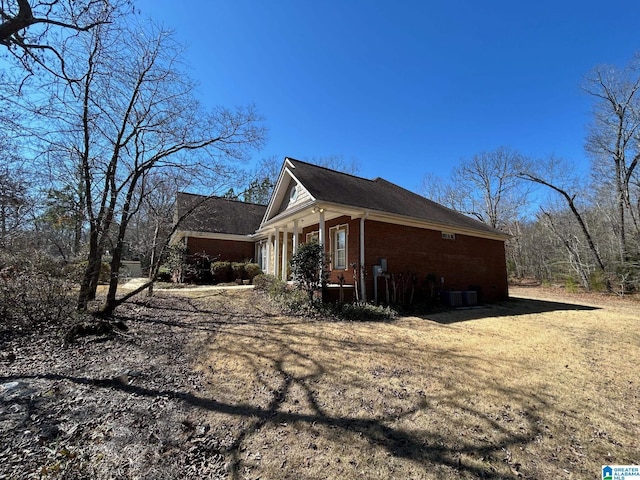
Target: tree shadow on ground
(291,368)
(422,447)
(425,446)
(513,307)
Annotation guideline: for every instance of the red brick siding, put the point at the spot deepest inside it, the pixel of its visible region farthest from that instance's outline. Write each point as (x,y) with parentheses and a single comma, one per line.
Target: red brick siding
(223,250)
(465,263)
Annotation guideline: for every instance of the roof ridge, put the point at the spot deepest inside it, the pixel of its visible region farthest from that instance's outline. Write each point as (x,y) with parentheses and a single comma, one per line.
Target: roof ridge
(328,169)
(218,197)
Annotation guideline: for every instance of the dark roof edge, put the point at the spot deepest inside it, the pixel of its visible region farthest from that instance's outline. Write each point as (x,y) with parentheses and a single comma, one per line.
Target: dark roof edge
(329,169)
(217,197)
(480,223)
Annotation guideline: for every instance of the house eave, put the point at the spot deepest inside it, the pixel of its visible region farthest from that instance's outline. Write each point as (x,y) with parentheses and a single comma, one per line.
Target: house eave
(180,234)
(444,227)
(333,210)
(287,216)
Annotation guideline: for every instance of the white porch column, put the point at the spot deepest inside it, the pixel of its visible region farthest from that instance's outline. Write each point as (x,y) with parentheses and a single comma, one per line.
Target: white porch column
(295,237)
(267,266)
(285,242)
(276,253)
(321,239)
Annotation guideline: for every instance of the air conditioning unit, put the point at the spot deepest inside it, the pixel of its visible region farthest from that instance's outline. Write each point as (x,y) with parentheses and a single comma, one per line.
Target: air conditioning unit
(453,298)
(470,298)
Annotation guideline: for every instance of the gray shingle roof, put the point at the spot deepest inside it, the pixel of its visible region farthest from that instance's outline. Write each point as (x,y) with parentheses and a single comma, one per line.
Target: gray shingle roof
(379,195)
(219,215)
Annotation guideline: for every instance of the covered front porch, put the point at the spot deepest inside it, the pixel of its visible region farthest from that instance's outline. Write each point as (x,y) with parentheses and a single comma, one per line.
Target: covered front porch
(339,230)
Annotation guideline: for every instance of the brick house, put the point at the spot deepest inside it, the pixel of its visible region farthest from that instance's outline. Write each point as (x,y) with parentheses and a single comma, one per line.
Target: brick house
(220,227)
(374,233)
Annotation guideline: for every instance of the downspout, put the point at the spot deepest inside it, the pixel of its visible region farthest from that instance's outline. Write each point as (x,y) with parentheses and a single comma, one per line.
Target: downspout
(363,288)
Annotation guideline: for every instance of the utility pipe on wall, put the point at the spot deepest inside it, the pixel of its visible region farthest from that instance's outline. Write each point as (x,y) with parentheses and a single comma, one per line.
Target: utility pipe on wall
(363,289)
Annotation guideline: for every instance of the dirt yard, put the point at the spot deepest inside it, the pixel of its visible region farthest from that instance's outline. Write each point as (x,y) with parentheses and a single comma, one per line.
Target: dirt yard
(215,384)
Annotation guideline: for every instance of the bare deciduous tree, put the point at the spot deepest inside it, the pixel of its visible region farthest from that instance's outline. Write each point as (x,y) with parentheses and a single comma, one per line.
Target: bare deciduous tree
(132,113)
(335,162)
(614,138)
(572,245)
(486,187)
(556,177)
(16,204)
(490,186)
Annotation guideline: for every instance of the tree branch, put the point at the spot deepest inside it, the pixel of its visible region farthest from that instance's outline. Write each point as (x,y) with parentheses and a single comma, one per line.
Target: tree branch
(11,26)
(570,201)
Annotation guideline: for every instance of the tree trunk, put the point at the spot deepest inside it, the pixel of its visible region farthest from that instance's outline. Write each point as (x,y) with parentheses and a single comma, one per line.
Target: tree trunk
(153,268)
(110,303)
(620,199)
(107,312)
(95,274)
(89,281)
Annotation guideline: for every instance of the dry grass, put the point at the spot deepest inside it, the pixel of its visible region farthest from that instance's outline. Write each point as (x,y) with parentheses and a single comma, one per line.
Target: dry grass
(529,388)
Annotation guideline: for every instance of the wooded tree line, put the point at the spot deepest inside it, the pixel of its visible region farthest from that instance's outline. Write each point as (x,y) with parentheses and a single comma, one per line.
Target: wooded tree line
(569,223)
(102,127)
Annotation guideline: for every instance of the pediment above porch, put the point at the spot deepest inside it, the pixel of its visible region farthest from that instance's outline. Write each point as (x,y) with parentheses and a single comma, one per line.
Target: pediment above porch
(292,202)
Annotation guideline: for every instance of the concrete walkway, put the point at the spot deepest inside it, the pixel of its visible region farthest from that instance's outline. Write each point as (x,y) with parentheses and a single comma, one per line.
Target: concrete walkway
(134,283)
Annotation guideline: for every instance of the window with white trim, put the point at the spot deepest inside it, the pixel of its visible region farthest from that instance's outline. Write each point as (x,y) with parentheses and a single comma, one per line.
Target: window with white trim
(313,236)
(339,247)
(293,194)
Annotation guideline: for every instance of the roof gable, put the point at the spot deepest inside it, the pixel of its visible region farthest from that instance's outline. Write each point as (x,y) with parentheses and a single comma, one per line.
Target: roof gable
(288,194)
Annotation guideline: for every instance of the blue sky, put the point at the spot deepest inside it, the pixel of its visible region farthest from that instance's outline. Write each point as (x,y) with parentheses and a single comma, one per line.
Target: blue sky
(405,88)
